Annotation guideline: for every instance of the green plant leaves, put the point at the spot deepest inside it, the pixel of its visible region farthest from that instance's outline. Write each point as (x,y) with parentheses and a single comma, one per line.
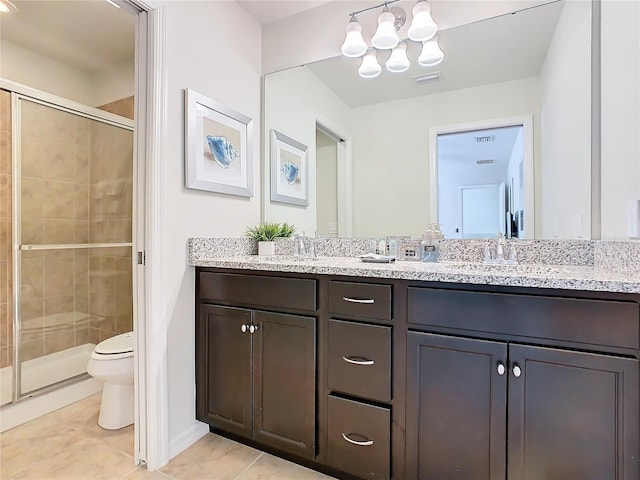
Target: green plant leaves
(268,231)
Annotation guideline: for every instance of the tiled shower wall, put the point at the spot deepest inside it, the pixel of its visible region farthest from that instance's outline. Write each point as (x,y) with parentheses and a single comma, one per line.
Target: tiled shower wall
(75,189)
(111,221)
(6,291)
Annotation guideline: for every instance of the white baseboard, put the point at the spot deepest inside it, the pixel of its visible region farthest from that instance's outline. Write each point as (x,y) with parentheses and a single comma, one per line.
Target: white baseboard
(16,414)
(188,438)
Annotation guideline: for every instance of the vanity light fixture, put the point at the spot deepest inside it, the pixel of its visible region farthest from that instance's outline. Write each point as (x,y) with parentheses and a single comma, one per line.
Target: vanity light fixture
(423,29)
(431,54)
(398,61)
(370,67)
(386,36)
(354,45)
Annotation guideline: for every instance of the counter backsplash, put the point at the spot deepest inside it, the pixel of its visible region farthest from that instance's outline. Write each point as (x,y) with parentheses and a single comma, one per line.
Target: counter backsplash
(620,256)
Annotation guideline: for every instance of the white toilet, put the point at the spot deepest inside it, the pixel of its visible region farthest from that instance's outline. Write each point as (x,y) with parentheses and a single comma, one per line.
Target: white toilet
(111,362)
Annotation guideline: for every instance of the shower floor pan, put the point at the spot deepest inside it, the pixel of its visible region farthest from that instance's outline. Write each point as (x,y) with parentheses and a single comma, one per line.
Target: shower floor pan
(46,370)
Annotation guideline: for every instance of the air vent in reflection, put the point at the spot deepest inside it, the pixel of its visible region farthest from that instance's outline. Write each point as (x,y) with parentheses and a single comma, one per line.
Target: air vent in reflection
(484,162)
(427,78)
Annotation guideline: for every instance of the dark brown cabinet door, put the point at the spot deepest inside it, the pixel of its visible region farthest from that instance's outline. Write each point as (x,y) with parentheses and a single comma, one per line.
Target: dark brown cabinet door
(456,408)
(572,415)
(284,360)
(224,385)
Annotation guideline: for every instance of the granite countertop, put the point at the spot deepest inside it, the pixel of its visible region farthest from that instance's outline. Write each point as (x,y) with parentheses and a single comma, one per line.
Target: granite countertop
(528,275)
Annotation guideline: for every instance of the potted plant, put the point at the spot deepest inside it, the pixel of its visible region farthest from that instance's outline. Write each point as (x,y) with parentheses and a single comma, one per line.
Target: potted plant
(266,233)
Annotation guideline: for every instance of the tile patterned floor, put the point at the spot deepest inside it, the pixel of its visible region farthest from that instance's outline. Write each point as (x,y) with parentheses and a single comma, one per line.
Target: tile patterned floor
(69,445)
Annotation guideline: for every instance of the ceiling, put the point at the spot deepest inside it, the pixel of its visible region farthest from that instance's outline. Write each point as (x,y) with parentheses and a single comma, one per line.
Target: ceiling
(93,35)
(269,11)
(89,35)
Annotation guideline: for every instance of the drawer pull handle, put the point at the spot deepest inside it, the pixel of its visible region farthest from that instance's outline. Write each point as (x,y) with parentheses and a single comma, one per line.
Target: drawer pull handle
(359,300)
(356,361)
(365,443)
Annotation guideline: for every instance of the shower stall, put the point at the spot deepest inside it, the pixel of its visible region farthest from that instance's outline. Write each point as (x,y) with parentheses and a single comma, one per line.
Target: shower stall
(66,237)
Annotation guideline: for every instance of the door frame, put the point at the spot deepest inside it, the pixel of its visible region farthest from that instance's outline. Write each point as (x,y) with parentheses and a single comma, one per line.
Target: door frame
(343,171)
(151,426)
(527,163)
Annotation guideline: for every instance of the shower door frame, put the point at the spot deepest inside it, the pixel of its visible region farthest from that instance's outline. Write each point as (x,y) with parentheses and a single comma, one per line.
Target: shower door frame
(20,93)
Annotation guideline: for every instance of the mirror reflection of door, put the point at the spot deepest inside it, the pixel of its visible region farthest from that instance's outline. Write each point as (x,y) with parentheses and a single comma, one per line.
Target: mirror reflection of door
(480,187)
(326,185)
(481,210)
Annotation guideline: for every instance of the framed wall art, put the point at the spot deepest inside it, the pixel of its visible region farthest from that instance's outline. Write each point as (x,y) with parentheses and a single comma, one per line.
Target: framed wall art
(289,170)
(218,150)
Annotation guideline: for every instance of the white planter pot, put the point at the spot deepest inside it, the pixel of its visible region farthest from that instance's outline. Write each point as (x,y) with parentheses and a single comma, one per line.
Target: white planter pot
(266,248)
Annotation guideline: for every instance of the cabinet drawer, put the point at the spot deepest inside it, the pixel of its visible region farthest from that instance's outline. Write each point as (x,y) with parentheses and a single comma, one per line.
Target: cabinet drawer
(359,359)
(358,438)
(597,322)
(258,290)
(360,299)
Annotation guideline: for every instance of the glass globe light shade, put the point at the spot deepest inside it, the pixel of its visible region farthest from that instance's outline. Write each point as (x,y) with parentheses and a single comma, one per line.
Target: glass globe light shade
(370,67)
(354,45)
(386,36)
(431,54)
(422,26)
(398,61)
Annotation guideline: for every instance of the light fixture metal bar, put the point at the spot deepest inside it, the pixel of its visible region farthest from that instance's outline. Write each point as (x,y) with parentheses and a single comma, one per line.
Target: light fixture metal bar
(383,4)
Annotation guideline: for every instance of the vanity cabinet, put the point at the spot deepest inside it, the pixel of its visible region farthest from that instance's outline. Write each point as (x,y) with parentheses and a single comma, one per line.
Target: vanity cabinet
(516,408)
(256,369)
(359,359)
(389,379)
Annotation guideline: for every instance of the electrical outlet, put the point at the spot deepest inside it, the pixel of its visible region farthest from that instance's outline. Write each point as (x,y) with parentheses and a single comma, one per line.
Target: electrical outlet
(633,221)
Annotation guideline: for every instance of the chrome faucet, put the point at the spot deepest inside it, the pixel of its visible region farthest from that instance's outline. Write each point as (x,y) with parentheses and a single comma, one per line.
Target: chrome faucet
(502,243)
(501,258)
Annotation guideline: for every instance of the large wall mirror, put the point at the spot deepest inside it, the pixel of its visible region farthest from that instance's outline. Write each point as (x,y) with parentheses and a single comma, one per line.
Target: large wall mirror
(373,143)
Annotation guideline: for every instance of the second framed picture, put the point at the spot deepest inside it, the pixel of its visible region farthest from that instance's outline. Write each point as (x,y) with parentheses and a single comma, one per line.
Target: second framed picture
(289,170)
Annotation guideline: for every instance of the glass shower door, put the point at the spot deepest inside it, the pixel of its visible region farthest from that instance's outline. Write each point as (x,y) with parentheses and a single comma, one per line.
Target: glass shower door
(73,231)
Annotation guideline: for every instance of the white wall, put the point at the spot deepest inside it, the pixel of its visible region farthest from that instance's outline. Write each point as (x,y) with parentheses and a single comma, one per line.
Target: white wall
(565,163)
(620,113)
(29,68)
(114,84)
(34,70)
(294,100)
(215,49)
(391,150)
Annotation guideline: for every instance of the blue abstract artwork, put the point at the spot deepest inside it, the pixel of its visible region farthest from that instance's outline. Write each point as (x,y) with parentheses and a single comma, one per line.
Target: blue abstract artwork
(222,150)
(290,171)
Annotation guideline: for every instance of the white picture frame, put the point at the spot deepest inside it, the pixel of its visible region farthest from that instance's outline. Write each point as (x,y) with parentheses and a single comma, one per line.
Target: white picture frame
(289,170)
(218,147)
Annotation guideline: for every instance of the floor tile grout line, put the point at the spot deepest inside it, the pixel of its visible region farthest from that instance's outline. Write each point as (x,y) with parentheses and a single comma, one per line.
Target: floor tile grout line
(249,466)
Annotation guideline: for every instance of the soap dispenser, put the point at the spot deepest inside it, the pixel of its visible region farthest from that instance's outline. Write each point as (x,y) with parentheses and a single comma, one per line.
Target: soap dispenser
(430,245)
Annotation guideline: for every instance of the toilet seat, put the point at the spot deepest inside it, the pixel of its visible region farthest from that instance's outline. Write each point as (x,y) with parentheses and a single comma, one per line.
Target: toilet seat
(120,346)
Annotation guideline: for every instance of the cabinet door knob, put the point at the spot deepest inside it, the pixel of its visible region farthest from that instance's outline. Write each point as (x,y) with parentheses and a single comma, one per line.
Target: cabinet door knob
(517,371)
(501,368)
(359,300)
(358,361)
(243,328)
(253,328)
(360,443)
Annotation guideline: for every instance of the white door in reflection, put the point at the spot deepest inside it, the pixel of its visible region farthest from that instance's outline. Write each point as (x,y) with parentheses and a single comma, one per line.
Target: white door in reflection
(482,210)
